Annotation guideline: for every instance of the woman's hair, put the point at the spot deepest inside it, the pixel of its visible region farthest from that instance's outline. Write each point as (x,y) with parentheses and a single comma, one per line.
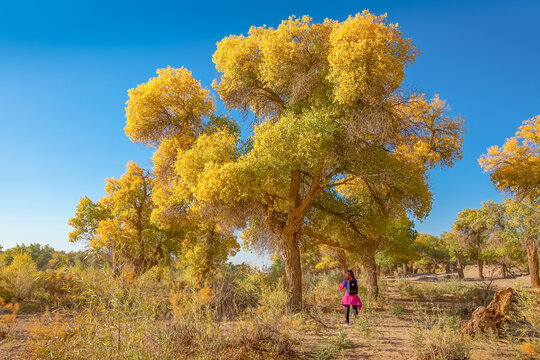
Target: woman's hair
(349,275)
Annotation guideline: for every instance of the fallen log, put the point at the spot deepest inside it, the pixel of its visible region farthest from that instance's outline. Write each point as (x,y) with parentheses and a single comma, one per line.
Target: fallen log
(491,317)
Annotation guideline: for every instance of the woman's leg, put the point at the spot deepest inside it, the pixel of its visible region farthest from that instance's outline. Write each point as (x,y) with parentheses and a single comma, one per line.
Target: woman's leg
(347,307)
(355,310)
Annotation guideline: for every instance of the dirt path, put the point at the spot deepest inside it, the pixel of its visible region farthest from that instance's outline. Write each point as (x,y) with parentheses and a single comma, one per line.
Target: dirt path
(374,335)
(389,339)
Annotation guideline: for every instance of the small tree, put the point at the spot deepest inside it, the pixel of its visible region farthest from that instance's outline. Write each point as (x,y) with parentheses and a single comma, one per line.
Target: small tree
(479,232)
(456,253)
(19,278)
(432,251)
(515,168)
(119,226)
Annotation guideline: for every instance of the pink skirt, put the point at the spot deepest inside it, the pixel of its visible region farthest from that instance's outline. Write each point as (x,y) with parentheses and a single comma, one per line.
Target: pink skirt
(351,300)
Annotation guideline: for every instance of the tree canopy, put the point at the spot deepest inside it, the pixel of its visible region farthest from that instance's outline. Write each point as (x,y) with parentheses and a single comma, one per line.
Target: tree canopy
(332,120)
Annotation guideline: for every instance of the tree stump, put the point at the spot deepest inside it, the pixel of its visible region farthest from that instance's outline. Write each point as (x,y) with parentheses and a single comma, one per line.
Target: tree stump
(490,317)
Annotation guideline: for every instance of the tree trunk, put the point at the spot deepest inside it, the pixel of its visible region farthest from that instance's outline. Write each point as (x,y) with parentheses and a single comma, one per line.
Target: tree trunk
(503,271)
(371,276)
(480,269)
(492,317)
(532,255)
(342,259)
(459,265)
(293,271)
(405,269)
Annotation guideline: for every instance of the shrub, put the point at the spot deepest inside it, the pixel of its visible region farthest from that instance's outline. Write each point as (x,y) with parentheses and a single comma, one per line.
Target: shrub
(364,325)
(7,319)
(138,321)
(332,348)
(397,309)
(436,336)
(527,316)
(19,278)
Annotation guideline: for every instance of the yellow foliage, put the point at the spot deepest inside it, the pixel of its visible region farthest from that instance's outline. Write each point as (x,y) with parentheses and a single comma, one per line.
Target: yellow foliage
(169,105)
(436,138)
(528,349)
(368,58)
(360,59)
(47,327)
(515,166)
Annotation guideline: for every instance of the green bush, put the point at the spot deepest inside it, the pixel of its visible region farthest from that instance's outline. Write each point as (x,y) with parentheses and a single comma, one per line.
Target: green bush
(436,336)
(332,347)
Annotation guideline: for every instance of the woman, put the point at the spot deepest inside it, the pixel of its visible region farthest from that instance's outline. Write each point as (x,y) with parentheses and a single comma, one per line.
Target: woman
(351,295)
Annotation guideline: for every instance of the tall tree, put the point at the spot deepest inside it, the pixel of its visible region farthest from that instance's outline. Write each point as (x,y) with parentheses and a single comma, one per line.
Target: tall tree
(515,168)
(329,110)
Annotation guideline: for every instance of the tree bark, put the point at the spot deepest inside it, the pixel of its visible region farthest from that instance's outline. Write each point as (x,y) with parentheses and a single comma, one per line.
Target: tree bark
(371,276)
(405,269)
(480,269)
(532,255)
(503,271)
(293,271)
(342,259)
(459,265)
(492,317)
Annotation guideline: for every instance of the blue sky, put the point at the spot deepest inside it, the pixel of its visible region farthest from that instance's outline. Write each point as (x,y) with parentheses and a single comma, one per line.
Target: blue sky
(65,68)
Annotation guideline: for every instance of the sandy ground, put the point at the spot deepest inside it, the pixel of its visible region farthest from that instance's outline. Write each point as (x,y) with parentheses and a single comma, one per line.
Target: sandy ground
(515,279)
(390,337)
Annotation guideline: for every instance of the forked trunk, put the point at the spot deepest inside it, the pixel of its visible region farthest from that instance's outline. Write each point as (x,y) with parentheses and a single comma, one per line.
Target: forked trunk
(293,272)
(371,276)
(459,265)
(532,255)
(480,269)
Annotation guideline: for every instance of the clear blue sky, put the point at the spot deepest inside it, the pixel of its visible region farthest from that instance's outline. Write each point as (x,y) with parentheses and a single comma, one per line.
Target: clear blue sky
(65,69)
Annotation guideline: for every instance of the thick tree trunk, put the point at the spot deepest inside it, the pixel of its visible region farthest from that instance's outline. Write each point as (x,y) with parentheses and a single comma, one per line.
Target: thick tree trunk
(480,269)
(459,265)
(293,271)
(405,269)
(503,271)
(371,276)
(342,259)
(532,255)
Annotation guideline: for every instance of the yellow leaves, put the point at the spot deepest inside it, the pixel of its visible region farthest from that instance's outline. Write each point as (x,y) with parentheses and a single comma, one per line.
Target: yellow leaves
(360,59)
(9,313)
(515,166)
(110,235)
(431,137)
(199,171)
(367,59)
(169,105)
